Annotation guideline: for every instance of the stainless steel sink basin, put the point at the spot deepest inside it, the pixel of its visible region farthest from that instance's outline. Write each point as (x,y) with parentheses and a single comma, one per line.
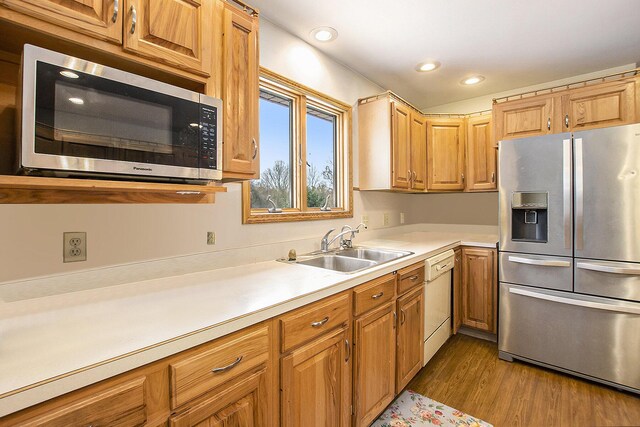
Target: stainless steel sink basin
(349,260)
(338,263)
(377,255)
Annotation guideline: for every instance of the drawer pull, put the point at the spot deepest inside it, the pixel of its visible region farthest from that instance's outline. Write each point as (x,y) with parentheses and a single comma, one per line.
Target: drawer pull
(228,367)
(320,322)
(414,278)
(376,296)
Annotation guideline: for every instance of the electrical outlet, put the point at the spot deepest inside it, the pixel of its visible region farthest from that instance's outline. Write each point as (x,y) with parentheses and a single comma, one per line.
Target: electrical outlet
(401,217)
(385,219)
(74,246)
(211,238)
(365,220)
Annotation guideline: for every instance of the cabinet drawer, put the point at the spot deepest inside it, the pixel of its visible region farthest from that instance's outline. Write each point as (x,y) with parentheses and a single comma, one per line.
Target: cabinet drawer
(410,277)
(310,321)
(373,294)
(122,405)
(217,364)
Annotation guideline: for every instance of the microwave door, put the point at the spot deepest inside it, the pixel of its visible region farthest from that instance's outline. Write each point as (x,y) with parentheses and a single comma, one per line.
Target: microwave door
(89,123)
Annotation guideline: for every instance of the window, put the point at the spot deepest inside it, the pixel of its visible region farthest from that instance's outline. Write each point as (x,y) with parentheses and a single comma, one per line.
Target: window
(305,155)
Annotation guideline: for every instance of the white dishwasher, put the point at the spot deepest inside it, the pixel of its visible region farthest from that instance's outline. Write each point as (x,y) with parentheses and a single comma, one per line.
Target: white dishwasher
(437,297)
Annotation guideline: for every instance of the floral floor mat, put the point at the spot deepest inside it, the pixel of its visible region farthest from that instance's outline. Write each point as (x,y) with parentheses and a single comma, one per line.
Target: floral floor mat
(411,409)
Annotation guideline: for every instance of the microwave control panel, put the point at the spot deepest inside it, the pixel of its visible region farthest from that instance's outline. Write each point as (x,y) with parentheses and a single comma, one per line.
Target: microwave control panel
(208,137)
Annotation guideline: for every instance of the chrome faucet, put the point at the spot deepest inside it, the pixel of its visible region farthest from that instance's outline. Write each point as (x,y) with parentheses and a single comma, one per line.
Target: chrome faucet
(325,243)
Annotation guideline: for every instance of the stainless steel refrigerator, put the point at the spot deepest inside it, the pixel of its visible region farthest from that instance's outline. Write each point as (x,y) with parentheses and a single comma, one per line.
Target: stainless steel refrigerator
(570,253)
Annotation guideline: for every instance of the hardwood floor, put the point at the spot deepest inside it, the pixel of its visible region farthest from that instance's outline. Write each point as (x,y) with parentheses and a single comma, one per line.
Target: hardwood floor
(466,374)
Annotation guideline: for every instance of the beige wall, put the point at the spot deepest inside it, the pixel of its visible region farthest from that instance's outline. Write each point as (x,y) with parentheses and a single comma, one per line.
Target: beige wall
(455,208)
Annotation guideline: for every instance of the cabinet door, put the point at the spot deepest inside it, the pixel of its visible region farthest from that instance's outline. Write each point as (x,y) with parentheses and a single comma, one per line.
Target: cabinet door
(410,340)
(539,115)
(240,93)
(445,154)
(240,403)
(316,383)
(170,31)
(400,145)
(457,290)
(606,104)
(481,155)
(418,157)
(479,288)
(375,363)
(98,18)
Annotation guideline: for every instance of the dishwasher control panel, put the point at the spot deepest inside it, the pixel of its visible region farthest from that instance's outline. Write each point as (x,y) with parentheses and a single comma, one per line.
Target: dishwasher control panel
(438,265)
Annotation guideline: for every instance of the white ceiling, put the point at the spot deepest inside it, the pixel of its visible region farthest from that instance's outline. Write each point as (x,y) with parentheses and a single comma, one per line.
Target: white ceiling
(513,43)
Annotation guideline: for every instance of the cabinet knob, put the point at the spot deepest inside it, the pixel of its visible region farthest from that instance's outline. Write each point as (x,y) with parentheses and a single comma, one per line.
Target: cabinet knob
(116,9)
(255,148)
(134,19)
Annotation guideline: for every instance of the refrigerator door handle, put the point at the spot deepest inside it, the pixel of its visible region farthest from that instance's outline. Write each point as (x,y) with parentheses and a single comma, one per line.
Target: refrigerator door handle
(608,268)
(579,195)
(577,302)
(540,262)
(566,191)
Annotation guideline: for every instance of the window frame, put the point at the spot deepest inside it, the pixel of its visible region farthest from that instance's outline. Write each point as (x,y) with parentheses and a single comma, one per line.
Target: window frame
(303,96)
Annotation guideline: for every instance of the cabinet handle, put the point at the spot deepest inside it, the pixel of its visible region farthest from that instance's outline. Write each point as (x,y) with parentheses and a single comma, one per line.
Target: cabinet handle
(462,178)
(566,121)
(228,367)
(255,148)
(409,174)
(493,177)
(134,19)
(395,319)
(414,176)
(116,9)
(549,123)
(413,278)
(376,296)
(320,322)
(348,347)
(403,317)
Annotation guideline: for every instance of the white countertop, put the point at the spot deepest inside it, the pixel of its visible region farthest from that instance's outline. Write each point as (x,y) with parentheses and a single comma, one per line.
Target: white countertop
(55,344)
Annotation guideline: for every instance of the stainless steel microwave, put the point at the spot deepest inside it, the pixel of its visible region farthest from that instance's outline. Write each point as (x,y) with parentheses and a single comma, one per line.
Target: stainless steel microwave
(82,118)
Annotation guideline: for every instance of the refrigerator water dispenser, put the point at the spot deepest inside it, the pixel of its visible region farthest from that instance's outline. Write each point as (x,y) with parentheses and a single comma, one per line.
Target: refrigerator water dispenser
(529,217)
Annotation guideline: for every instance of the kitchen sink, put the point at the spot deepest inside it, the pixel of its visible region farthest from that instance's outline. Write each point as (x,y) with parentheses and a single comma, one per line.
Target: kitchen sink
(349,260)
(377,255)
(338,263)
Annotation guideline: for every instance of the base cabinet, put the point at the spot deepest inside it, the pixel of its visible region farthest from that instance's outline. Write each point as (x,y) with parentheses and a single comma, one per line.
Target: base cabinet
(479,288)
(409,353)
(375,363)
(315,383)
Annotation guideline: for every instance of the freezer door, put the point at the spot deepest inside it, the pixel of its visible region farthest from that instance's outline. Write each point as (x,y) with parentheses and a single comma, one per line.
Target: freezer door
(589,336)
(607,193)
(539,165)
(608,279)
(537,270)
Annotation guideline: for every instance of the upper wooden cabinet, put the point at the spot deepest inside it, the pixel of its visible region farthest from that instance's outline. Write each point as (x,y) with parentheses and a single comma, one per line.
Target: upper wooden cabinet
(400,145)
(392,145)
(595,105)
(481,155)
(170,31)
(606,104)
(240,94)
(101,19)
(479,288)
(538,115)
(445,154)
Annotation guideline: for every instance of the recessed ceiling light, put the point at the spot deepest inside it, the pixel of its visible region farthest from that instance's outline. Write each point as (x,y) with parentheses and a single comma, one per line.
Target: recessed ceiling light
(427,66)
(324,34)
(69,74)
(77,101)
(472,80)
